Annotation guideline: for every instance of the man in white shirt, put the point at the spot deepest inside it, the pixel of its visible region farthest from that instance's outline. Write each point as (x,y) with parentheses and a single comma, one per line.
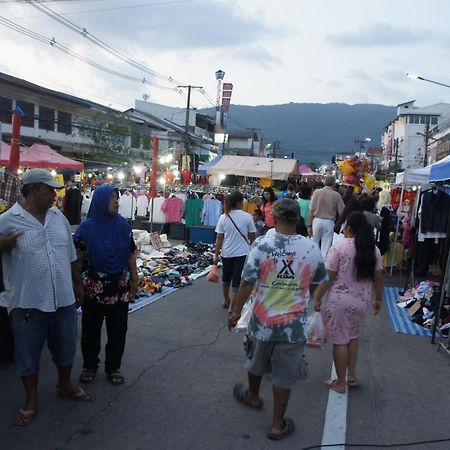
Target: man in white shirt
(40,285)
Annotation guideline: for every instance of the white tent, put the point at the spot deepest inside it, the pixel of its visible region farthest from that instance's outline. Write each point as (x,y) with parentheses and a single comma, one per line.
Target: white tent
(411,177)
(251,166)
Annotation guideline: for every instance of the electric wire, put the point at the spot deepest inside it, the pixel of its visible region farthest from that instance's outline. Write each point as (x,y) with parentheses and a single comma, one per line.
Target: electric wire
(95,40)
(52,41)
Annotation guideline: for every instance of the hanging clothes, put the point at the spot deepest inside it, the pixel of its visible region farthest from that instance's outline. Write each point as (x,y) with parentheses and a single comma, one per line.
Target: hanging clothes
(172,208)
(192,209)
(212,210)
(127,205)
(158,214)
(86,204)
(142,205)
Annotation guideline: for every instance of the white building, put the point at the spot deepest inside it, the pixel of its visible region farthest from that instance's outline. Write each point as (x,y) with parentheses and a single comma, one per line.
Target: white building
(405,135)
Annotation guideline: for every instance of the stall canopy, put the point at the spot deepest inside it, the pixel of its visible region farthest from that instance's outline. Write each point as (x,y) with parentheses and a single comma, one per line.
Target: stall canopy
(250,166)
(440,170)
(411,177)
(40,156)
(202,170)
(306,171)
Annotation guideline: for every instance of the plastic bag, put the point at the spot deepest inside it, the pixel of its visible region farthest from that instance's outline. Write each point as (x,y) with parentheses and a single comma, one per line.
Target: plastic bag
(246,313)
(213,275)
(315,331)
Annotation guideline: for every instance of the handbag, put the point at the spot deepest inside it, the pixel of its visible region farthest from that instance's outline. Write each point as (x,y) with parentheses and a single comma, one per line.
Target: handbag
(240,232)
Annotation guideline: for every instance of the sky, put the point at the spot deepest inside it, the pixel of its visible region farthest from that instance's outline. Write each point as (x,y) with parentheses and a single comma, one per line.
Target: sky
(274,52)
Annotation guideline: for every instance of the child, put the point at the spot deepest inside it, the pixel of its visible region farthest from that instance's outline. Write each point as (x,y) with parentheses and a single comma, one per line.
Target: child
(259,223)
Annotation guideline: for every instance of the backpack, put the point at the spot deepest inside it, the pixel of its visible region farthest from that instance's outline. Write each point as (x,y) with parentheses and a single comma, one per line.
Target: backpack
(393,220)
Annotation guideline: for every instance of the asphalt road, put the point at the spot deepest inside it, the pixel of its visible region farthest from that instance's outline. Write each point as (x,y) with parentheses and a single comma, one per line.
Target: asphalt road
(181,363)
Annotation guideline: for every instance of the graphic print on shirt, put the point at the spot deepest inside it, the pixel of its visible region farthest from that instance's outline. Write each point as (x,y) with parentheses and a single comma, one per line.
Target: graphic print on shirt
(282,269)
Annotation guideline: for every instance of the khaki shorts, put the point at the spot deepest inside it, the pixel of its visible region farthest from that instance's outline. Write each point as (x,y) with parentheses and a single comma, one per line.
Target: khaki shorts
(286,361)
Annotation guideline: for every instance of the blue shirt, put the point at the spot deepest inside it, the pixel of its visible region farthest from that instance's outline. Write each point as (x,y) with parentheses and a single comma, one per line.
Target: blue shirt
(37,272)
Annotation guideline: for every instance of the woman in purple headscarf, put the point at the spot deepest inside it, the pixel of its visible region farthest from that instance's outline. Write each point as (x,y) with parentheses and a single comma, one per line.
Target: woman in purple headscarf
(107,264)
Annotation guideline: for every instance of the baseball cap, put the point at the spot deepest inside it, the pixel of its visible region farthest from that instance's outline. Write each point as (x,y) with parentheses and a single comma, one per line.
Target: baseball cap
(286,208)
(35,176)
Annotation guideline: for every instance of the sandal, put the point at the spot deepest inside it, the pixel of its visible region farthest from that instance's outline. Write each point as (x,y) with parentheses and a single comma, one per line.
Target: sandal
(24,417)
(353,383)
(87,376)
(289,428)
(116,378)
(79,394)
(331,384)
(242,396)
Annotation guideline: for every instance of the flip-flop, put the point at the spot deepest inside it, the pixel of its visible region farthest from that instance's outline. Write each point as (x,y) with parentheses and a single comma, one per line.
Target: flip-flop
(24,417)
(353,383)
(289,428)
(331,384)
(241,395)
(79,395)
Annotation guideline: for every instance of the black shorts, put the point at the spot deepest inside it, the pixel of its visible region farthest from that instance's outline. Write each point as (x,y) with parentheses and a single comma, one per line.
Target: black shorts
(232,271)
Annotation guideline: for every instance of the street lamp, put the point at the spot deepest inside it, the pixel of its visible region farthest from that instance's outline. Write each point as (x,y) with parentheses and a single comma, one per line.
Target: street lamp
(417,77)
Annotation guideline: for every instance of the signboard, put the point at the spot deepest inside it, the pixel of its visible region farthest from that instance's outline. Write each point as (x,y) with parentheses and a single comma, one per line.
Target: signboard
(375,151)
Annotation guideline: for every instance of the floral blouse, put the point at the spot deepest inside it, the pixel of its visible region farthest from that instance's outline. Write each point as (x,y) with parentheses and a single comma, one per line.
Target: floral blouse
(100,287)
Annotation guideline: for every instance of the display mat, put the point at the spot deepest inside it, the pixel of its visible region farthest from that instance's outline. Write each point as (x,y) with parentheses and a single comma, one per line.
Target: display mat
(400,321)
(148,299)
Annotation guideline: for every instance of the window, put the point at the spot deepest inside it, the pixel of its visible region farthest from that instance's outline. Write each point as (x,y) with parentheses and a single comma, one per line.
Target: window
(64,122)
(5,110)
(46,118)
(28,110)
(135,140)
(434,121)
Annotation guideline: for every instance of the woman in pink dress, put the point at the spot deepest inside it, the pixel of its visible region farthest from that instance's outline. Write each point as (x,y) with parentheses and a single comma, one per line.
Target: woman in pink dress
(355,277)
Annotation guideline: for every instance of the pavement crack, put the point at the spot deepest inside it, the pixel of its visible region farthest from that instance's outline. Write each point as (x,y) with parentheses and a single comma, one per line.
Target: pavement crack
(136,381)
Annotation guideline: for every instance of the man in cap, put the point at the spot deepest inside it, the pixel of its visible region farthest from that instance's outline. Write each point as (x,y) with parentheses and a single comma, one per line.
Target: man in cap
(283,268)
(40,284)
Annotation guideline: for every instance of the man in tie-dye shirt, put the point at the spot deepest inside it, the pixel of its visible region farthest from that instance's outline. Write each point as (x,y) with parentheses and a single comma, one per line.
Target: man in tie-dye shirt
(283,269)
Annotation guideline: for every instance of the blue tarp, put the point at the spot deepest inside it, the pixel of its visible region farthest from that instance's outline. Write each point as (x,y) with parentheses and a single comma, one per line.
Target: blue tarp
(202,168)
(440,171)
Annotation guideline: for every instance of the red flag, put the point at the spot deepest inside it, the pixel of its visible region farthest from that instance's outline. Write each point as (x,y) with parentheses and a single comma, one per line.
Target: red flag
(14,155)
(154,175)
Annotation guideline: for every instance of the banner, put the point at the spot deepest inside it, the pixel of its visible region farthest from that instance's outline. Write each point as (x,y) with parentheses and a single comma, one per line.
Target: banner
(227,90)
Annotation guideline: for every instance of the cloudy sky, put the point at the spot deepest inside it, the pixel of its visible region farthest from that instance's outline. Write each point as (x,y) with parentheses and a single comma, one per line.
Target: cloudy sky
(351,51)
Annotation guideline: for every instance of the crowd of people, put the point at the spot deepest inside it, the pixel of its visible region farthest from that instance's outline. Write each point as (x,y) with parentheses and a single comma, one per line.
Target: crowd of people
(283,255)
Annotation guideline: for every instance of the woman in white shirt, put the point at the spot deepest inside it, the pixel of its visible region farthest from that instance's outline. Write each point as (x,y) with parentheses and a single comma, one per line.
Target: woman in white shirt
(235,232)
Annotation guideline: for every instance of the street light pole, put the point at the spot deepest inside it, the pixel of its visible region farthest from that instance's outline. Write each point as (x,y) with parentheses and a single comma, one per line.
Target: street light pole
(417,77)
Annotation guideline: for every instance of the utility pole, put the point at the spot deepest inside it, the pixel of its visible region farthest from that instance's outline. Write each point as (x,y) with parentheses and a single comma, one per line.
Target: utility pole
(396,158)
(186,123)
(427,139)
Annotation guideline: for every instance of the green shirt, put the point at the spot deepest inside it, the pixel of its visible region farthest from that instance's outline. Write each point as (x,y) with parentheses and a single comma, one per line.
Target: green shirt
(192,209)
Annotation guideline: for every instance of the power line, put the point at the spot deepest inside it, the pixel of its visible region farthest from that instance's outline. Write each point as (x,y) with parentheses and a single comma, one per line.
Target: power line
(118,8)
(52,41)
(95,40)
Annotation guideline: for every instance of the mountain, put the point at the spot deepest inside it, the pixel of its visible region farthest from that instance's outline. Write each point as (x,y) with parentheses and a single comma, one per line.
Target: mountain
(314,131)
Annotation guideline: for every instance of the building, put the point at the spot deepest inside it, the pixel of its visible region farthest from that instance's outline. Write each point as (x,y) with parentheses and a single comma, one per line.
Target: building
(74,126)
(404,141)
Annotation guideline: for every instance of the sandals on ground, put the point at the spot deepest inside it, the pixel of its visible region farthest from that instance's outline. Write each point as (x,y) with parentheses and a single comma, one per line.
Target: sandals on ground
(116,378)
(24,417)
(289,428)
(87,376)
(332,384)
(242,396)
(79,394)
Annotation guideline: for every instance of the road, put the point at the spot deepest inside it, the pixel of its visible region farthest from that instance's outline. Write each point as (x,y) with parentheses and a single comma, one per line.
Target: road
(181,363)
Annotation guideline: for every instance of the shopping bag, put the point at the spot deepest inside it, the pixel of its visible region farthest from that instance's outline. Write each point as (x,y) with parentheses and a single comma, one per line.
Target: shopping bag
(246,313)
(213,275)
(315,331)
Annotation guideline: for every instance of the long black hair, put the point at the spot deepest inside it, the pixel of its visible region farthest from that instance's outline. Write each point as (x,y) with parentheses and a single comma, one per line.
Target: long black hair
(272,196)
(365,245)
(232,200)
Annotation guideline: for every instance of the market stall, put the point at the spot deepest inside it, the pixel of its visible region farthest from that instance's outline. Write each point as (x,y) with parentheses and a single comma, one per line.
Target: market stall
(43,156)
(255,167)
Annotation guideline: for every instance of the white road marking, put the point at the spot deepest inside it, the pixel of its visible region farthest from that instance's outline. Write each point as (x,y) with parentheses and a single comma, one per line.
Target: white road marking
(335,426)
